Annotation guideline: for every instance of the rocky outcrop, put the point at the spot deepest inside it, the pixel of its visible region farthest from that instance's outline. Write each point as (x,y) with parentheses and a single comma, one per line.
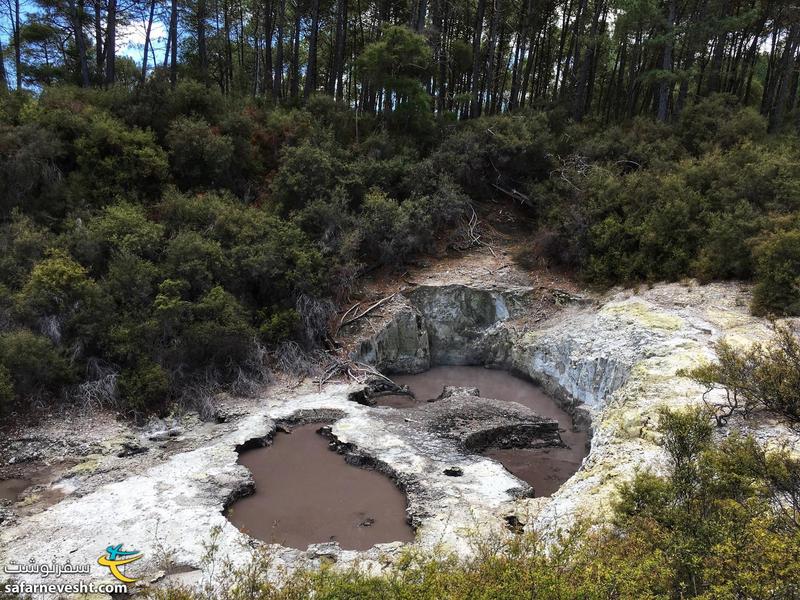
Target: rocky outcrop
(612,364)
(402,346)
(446,325)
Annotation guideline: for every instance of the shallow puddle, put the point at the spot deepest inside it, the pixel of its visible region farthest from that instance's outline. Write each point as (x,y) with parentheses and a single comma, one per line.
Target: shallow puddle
(20,478)
(544,469)
(307,494)
(10,489)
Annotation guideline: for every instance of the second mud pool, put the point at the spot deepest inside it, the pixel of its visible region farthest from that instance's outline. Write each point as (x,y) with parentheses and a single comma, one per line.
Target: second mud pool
(545,469)
(307,494)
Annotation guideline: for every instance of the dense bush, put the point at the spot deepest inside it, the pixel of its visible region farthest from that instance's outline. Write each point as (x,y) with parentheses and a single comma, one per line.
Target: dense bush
(183,229)
(6,389)
(777,258)
(199,156)
(34,363)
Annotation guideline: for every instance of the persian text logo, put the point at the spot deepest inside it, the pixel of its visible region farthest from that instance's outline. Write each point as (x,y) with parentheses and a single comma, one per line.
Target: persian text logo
(115,557)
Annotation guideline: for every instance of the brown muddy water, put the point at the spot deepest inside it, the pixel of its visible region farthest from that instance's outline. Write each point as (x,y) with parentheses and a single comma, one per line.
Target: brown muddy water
(10,489)
(545,469)
(18,478)
(307,494)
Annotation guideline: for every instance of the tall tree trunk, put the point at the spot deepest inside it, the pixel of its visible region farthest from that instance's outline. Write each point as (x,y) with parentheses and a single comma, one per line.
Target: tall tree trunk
(565,15)
(147,39)
(584,71)
(17,45)
(111,42)
(226,24)
(98,35)
(518,52)
(269,28)
(784,81)
(202,49)
(3,80)
(294,88)
(494,26)
(277,81)
(665,85)
(341,44)
(173,36)
(715,67)
(311,69)
(76,14)
(419,21)
(477,34)
(442,21)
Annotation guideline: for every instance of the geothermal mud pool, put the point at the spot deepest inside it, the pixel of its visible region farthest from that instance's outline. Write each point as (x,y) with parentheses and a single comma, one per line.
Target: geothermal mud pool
(610,362)
(306,494)
(545,469)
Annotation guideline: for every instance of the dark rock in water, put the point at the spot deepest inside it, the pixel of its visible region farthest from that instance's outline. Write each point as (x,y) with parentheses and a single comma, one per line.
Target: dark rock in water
(455,390)
(478,423)
(378,388)
(454,471)
(368,522)
(131,449)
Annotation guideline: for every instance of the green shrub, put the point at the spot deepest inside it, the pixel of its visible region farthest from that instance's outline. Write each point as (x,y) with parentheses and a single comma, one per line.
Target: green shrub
(199,212)
(760,377)
(726,251)
(113,161)
(130,282)
(279,326)
(193,99)
(6,390)
(23,242)
(307,172)
(57,286)
(199,157)
(719,120)
(29,174)
(196,259)
(777,258)
(144,388)
(219,336)
(34,363)
(125,227)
